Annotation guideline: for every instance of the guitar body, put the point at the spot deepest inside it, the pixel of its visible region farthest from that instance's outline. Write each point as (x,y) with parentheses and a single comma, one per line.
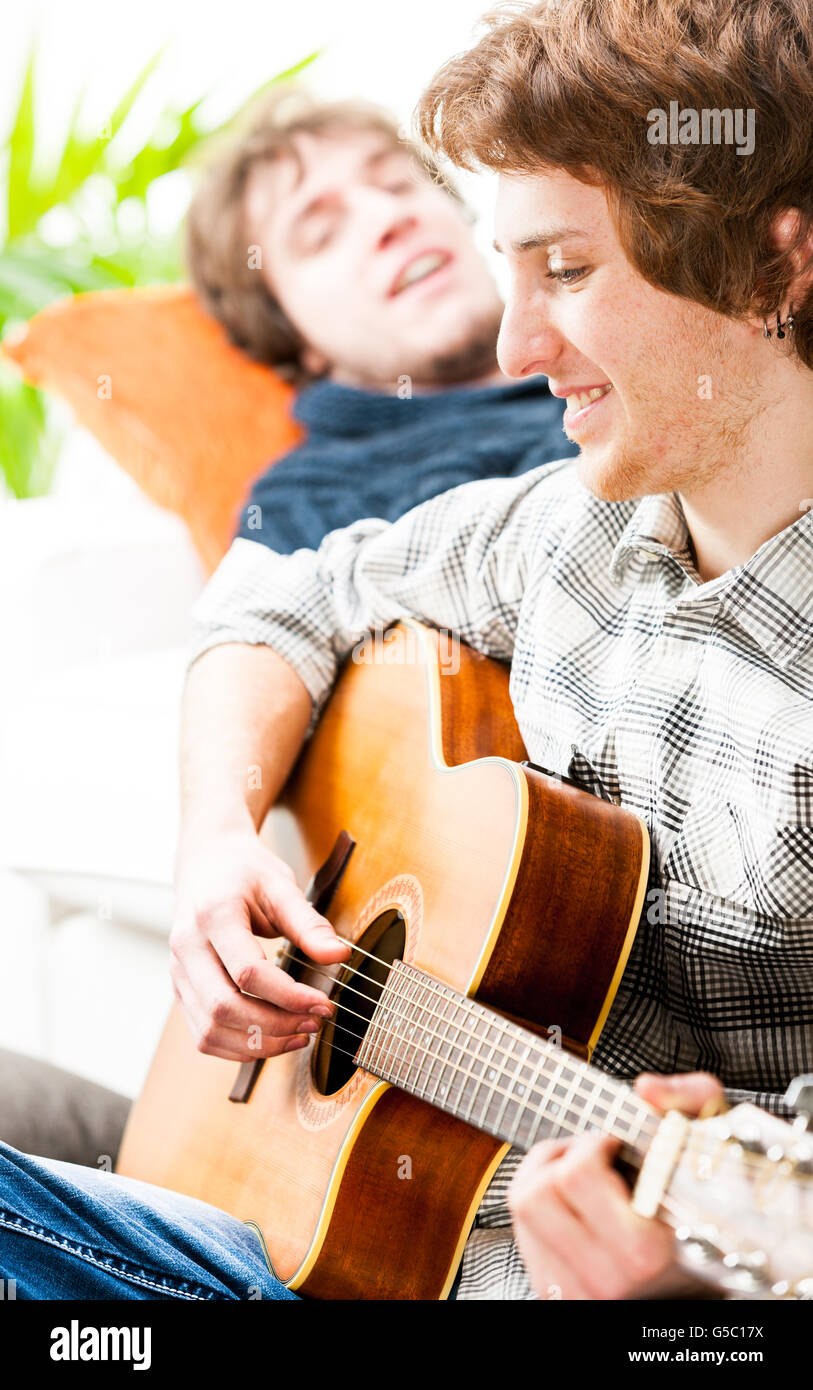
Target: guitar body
(506,884)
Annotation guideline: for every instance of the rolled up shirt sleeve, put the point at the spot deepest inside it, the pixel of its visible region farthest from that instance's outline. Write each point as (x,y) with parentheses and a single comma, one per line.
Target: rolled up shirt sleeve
(457,562)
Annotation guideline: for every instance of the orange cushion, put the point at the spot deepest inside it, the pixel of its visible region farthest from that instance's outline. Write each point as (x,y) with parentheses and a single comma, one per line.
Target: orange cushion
(155,379)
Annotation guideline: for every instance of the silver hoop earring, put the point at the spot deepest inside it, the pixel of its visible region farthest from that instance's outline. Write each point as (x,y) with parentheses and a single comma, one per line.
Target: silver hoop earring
(781,326)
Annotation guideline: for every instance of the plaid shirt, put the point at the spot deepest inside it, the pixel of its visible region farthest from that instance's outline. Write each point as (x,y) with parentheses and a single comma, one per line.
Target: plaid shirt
(688,702)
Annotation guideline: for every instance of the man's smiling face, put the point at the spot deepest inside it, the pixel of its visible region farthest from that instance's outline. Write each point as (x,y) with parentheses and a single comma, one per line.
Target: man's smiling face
(373,262)
(675,387)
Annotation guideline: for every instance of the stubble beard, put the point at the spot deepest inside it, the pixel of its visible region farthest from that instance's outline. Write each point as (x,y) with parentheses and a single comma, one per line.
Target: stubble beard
(474,358)
(684,449)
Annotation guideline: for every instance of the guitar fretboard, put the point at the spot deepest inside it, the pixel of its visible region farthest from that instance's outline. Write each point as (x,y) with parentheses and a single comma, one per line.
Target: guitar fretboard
(428,1039)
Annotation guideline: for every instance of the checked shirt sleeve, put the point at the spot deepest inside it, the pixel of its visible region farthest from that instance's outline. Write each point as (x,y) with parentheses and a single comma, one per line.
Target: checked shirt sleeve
(765,1100)
(457,562)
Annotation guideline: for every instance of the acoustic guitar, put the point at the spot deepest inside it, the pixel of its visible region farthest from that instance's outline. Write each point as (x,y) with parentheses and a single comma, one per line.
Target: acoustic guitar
(491,906)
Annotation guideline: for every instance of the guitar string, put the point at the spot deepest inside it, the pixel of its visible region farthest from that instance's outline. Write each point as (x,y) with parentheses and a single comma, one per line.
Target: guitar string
(694,1149)
(560,1124)
(681,1215)
(693,1152)
(695,1144)
(578,1092)
(627,1096)
(641,1112)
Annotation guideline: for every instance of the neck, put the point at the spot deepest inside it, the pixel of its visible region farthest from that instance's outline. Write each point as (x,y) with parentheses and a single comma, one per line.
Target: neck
(490,378)
(427,1039)
(765,487)
(418,387)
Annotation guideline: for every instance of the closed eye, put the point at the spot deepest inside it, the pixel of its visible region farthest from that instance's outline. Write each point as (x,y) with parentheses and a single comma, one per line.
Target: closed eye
(318,233)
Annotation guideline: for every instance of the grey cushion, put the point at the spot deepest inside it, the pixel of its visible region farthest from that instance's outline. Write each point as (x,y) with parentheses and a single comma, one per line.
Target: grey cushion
(55,1114)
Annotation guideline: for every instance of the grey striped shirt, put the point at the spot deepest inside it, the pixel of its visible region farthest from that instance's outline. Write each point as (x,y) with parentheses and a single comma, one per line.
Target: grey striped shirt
(688,702)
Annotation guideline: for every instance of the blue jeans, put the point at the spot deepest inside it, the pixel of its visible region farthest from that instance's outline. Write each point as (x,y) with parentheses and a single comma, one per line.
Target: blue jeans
(78,1233)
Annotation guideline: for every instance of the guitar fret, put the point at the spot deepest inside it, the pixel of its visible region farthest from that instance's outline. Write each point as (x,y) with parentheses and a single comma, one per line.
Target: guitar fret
(482,1079)
(412,1003)
(464,1062)
(633,1139)
(507,1095)
(390,1055)
(442,1090)
(492,1076)
(459,1078)
(585,1118)
(374,1037)
(421,998)
(518,1090)
(531,1108)
(427,1040)
(431,1054)
(423,1001)
(568,1104)
(547,1104)
(388,1045)
(613,1106)
(509,1098)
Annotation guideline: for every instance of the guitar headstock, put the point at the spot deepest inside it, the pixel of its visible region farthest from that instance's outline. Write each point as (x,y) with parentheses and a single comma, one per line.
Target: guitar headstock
(738,1190)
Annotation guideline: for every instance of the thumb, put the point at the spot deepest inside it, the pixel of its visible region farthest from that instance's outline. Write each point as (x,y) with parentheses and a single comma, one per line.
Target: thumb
(690,1092)
(297,919)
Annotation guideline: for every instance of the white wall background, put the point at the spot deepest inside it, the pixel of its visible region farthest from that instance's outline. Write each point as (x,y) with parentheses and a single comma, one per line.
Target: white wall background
(88,716)
(379,49)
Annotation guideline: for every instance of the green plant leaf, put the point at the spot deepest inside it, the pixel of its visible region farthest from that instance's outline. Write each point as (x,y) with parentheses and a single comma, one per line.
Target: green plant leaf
(82,156)
(21,156)
(33,272)
(153,160)
(29,444)
(128,101)
(29,280)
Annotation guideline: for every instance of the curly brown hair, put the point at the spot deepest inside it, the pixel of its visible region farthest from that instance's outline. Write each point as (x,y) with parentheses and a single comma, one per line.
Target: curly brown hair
(573,85)
(216,236)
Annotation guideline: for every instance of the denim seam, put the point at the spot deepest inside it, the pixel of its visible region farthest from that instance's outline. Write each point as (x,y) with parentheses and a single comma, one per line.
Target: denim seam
(50,1238)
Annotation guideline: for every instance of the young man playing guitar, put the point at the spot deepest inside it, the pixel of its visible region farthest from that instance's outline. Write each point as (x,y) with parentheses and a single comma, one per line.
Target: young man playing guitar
(654,601)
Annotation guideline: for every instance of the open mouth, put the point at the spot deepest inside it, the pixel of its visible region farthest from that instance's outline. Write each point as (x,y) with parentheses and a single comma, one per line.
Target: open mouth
(582,404)
(418,270)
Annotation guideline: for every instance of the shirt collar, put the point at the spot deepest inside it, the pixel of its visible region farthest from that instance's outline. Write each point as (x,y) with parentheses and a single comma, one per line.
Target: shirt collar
(771,595)
(656,527)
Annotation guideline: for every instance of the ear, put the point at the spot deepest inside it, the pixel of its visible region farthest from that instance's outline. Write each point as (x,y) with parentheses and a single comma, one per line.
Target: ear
(784,232)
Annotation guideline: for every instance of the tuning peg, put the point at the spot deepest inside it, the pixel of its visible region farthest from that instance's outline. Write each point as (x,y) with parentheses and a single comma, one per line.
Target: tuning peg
(801,1290)
(799,1097)
(699,1244)
(746,1270)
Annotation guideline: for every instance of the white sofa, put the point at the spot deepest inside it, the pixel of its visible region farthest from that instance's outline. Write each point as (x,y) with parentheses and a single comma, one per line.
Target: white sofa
(96,585)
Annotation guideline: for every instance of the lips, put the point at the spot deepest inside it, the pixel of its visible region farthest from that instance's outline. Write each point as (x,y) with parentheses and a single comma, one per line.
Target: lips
(418,268)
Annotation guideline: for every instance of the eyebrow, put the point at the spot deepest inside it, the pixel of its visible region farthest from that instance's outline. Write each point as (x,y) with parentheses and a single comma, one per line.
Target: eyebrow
(375,157)
(538,240)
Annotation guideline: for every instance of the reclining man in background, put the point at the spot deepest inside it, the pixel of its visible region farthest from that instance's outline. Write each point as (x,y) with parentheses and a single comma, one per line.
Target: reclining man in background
(329,247)
(364,287)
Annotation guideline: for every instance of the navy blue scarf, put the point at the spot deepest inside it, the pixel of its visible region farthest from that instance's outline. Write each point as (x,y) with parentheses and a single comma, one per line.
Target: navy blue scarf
(368,453)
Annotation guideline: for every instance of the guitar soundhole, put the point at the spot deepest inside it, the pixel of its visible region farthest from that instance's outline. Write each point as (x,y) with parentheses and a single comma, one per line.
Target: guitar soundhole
(356,993)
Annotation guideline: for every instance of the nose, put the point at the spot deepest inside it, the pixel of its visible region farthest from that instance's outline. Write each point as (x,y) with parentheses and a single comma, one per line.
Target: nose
(381,215)
(527,343)
(396,225)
